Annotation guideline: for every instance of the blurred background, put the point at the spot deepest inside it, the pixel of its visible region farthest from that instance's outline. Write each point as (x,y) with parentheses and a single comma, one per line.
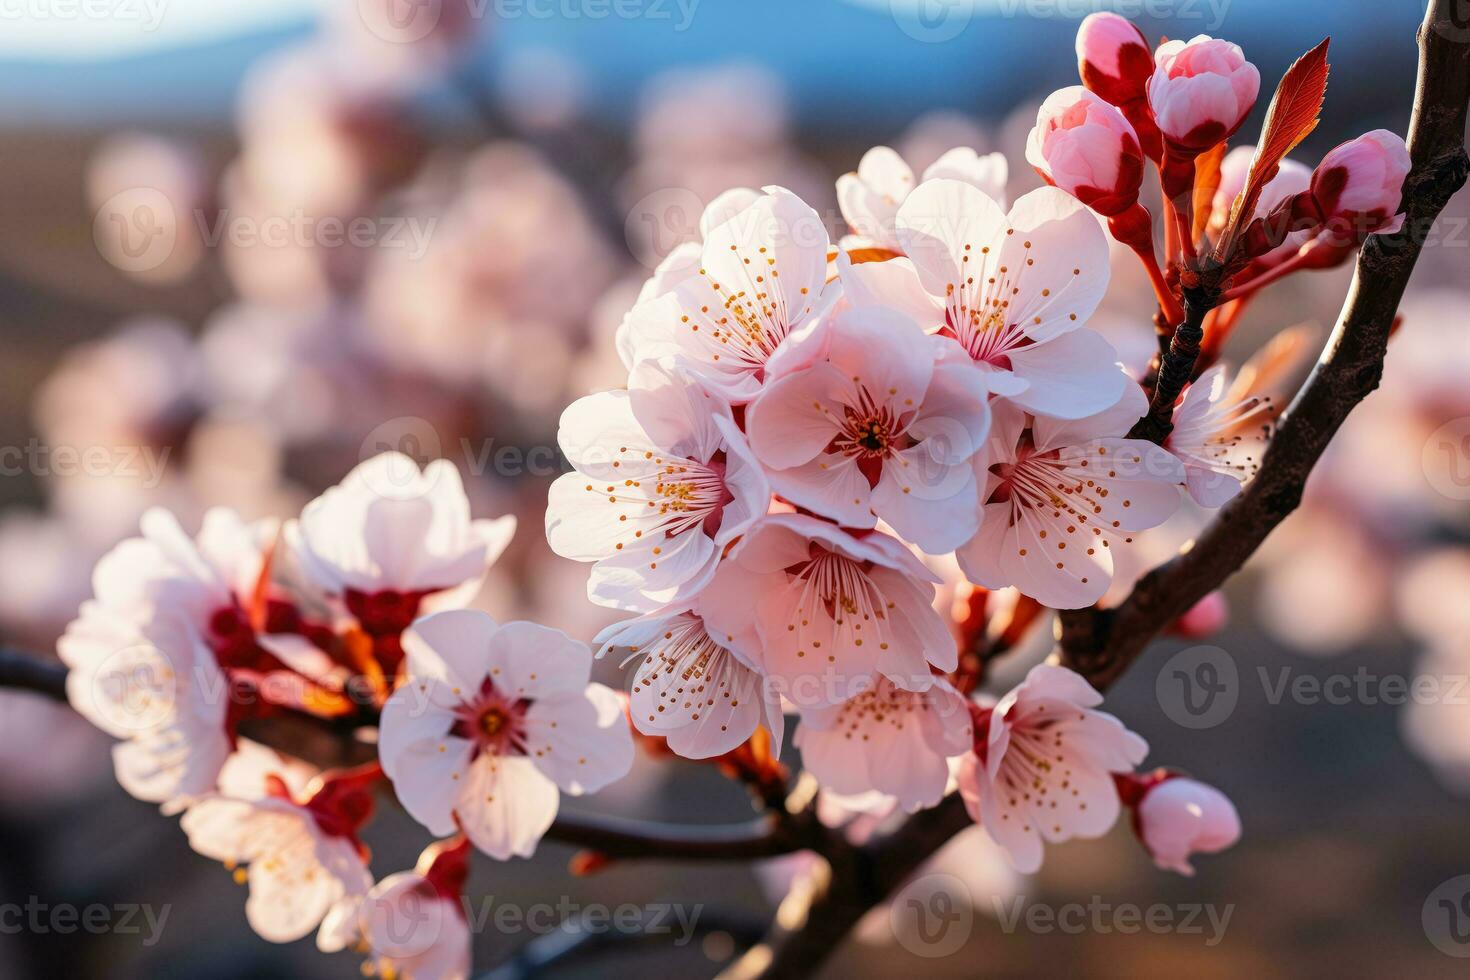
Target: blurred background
(246,244)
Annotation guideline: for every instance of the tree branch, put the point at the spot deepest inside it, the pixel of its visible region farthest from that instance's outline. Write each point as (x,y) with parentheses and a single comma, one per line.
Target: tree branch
(617,837)
(23,672)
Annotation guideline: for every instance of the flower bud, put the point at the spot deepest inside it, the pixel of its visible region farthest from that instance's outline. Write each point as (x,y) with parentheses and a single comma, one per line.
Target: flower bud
(1085,146)
(1358,186)
(1113,58)
(1177,817)
(1201,91)
(1203,619)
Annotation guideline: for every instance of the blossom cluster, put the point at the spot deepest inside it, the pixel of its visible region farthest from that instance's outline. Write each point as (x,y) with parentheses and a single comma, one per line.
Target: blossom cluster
(820,445)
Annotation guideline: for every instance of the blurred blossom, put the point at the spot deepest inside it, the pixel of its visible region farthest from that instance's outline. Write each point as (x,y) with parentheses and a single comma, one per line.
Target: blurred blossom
(1325,588)
(135,171)
(541,88)
(1430,595)
(935,133)
(404,50)
(1437,729)
(513,267)
(701,132)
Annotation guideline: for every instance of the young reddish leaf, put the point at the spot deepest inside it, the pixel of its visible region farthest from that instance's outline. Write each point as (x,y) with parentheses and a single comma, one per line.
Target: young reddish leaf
(1206,182)
(1293,114)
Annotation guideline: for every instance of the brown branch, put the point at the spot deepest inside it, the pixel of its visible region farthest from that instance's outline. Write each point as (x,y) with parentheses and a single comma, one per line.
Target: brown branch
(328,746)
(23,672)
(1176,365)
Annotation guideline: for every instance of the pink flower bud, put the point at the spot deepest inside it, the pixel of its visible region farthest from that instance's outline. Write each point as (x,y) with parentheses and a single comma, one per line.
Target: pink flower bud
(1113,58)
(1358,186)
(1179,817)
(1201,91)
(1086,147)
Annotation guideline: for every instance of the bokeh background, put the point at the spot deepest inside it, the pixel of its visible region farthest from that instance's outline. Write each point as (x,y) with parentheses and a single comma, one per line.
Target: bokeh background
(187,321)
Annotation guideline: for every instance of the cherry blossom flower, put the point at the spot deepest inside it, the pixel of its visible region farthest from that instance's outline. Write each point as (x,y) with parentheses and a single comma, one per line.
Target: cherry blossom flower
(829,610)
(871,197)
(681,264)
(490,721)
(753,308)
(1014,290)
(1201,91)
(146,654)
(1086,146)
(1218,438)
(299,852)
(1059,496)
(391,542)
(664,481)
(698,693)
(1358,186)
(878,430)
(413,923)
(1043,763)
(1176,817)
(888,740)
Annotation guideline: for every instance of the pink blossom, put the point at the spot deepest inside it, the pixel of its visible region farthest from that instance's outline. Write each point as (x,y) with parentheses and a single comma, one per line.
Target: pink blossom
(820,611)
(664,481)
(870,197)
(490,721)
(1218,438)
(389,536)
(1358,186)
(877,430)
(1201,91)
(1061,496)
(1178,817)
(700,694)
(1043,763)
(1013,290)
(753,308)
(887,740)
(297,849)
(1087,147)
(412,924)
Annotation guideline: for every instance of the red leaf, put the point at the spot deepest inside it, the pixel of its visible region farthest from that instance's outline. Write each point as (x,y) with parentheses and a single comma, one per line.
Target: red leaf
(1293,114)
